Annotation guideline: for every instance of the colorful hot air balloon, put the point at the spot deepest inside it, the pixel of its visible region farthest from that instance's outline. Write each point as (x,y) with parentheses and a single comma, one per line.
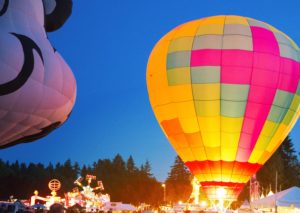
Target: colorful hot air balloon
(225,90)
(37,87)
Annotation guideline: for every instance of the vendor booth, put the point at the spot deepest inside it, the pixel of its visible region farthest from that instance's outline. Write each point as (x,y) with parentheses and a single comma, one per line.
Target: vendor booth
(287,201)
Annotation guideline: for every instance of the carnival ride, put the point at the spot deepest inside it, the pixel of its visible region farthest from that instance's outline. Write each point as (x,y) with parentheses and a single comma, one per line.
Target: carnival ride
(87,198)
(54,185)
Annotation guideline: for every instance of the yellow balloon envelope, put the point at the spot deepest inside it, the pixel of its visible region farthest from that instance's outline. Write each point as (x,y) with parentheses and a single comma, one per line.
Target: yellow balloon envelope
(225,90)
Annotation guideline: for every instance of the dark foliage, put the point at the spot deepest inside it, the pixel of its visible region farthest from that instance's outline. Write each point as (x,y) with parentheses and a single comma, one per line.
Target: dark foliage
(178,183)
(285,162)
(128,183)
(122,180)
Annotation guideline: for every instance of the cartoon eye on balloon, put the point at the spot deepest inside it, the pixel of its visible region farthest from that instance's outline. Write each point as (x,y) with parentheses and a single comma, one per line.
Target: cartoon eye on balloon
(225,91)
(37,88)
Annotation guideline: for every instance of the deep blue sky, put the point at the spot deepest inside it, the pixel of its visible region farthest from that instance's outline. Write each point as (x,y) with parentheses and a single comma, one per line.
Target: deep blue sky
(107,44)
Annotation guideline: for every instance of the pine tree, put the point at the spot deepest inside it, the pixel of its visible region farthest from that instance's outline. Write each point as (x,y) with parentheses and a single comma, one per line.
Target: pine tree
(285,162)
(146,169)
(291,164)
(130,165)
(118,163)
(179,171)
(178,183)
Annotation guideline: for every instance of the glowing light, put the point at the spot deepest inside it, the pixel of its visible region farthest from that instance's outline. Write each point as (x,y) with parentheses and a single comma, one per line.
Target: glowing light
(164,186)
(270,193)
(180,202)
(196,191)
(203,203)
(221,192)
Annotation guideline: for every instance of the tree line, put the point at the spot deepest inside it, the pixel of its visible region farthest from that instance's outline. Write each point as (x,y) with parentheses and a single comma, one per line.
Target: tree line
(122,180)
(129,183)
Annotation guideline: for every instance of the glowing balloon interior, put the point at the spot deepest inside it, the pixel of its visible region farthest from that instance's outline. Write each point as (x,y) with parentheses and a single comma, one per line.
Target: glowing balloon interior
(37,87)
(225,91)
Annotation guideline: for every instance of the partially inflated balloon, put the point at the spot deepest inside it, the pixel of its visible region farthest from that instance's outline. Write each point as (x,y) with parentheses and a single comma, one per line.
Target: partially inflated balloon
(37,87)
(225,91)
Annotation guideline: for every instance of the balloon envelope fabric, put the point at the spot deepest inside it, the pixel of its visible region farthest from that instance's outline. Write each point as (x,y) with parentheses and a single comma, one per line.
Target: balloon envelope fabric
(225,90)
(37,87)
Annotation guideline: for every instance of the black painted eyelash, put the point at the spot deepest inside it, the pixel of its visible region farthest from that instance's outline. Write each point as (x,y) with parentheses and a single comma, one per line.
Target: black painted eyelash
(4,8)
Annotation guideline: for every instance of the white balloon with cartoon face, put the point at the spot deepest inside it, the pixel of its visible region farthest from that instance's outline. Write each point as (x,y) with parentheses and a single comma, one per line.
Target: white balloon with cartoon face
(37,87)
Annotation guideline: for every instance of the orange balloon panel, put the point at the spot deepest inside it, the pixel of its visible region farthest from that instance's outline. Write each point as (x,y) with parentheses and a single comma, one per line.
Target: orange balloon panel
(225,91)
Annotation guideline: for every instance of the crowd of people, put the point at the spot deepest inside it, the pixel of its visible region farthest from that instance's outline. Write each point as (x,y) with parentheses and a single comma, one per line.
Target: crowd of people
(55,208)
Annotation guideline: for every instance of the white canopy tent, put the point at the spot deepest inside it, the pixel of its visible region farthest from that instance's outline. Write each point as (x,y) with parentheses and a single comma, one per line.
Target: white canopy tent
(289,198)
(119,206)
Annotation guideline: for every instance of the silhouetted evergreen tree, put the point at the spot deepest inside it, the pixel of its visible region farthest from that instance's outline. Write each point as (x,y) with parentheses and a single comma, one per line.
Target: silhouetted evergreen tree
(86,170)
(66,173)
(178,183)
(146,169)
(125,182)
(286,163)
(130,165)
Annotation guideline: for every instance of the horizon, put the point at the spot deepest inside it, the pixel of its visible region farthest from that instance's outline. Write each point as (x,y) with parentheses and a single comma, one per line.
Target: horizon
(107,45)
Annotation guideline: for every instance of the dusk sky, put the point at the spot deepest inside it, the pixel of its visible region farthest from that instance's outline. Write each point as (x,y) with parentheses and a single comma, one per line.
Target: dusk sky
(107,45)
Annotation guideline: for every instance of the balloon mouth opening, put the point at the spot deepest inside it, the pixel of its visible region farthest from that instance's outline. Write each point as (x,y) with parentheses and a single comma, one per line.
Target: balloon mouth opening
(220,192)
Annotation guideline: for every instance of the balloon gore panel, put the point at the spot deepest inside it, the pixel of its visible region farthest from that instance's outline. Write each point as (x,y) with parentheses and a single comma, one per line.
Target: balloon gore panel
(240,78)
(37,87)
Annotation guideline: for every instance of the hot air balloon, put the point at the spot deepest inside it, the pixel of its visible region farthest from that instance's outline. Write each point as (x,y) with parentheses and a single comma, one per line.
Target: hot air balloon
(225,91)
(37,87)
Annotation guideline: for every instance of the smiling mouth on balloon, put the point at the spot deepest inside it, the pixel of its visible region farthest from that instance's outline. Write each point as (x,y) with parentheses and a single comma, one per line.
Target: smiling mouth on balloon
(44,131)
